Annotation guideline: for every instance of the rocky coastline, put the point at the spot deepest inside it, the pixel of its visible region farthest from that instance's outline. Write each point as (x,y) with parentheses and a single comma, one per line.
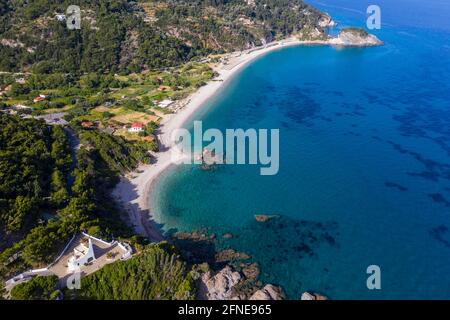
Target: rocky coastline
(227,274)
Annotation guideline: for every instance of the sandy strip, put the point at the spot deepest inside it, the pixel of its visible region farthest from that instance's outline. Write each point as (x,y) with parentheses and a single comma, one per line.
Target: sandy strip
(133,191)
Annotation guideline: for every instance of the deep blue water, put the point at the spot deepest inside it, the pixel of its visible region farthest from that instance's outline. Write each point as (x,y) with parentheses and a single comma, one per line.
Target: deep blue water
(364,161)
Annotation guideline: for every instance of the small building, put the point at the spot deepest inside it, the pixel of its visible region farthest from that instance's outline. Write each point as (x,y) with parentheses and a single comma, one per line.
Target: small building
(136,127)
(20,80)
(87,124)
(60,17)
(82,256)
(40,98)
(83,253)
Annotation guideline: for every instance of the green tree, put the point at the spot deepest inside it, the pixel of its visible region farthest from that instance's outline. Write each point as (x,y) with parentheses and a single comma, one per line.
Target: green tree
(59,194)
(41,244)
(21,207)
(38,288)
(60,149)
(2,290)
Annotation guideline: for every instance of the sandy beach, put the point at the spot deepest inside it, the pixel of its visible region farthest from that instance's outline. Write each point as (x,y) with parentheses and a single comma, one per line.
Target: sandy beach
(133,190)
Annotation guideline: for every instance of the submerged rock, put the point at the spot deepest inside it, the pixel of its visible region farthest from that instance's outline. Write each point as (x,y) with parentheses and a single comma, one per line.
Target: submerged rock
(264,217)
(251,271)
(230,255)
(269,292)
(194,236)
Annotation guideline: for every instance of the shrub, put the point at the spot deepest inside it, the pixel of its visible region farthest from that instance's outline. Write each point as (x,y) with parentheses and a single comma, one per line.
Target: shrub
(38,288)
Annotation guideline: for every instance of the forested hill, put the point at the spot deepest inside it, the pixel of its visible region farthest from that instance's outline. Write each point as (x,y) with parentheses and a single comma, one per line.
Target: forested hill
(121,35)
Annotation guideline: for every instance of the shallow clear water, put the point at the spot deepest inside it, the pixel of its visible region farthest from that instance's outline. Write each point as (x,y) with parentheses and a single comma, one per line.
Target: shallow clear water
(364,161)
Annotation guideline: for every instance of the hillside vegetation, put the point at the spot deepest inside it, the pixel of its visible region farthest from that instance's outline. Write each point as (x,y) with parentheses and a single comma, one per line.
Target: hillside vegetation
(38,288)
(155,274)
(39,209)
(126,35)
(34,163)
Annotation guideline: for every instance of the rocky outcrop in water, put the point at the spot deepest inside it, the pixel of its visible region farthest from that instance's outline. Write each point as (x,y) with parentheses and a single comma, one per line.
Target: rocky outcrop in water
(229,255)
(312,296)
(228,284)
(227,236)
(265,217)
(250,271)
(269,292)
(230,274)
(355,37)
(218,286)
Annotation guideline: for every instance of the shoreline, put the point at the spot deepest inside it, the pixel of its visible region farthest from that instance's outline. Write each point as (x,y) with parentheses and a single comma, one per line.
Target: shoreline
(132,192)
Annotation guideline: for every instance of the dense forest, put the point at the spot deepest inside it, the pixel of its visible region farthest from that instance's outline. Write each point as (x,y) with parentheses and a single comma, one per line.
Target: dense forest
(34,165)
(120,35)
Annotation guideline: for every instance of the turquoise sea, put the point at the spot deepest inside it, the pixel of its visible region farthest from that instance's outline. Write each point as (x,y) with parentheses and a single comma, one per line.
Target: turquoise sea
(364,161)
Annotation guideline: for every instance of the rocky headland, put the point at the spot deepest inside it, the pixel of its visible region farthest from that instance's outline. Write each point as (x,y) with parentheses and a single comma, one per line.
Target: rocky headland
(355,37)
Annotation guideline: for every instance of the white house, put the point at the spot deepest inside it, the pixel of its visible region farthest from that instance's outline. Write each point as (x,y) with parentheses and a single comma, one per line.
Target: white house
(136,127)
(82,255)
(60,17)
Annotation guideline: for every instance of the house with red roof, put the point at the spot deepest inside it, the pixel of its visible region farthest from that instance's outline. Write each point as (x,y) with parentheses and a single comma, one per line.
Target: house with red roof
(87,124)
(136,127)
(40,98)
